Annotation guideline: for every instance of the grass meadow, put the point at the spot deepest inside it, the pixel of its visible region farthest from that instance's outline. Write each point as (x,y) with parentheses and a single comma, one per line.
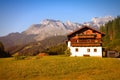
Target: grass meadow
(60,68)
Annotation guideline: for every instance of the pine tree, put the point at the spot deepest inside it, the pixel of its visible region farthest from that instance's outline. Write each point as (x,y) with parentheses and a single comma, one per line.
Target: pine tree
(2,52)
(112,34)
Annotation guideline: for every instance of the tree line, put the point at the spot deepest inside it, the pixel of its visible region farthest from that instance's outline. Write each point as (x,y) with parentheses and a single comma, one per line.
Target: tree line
(111,40)
(2,51)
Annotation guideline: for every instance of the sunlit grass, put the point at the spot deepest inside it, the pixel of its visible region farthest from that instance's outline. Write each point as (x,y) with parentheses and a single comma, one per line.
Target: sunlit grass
(60,68)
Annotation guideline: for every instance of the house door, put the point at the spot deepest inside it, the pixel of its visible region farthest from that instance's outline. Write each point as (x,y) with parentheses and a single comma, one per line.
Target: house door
(88,52)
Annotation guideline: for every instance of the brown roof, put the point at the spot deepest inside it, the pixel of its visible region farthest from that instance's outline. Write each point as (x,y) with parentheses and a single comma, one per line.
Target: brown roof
(83,28)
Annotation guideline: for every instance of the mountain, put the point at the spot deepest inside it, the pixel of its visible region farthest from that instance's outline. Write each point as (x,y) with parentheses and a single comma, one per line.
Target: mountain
(99,21)
(46,28)
(41,46)
(49,28)
(37,32)
(16,39)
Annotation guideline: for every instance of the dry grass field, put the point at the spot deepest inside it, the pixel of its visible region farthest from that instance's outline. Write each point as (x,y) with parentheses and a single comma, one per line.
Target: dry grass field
(60,68)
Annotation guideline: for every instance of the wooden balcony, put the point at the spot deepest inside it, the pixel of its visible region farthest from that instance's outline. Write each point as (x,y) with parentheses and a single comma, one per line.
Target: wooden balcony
(82,41)
(85,44)
(87,36)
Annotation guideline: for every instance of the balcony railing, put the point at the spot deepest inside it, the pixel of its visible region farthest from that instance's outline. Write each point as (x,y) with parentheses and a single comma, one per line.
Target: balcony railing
(87,36)
(85,44)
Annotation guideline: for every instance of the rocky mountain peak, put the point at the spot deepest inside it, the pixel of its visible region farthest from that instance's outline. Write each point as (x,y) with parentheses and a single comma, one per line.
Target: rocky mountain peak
(102,19)
(48,21)
(96,22)
(68,23)
(50,27)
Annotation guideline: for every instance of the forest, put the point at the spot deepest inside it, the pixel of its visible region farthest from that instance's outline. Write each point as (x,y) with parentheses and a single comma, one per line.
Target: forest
(3,53)
(111,40)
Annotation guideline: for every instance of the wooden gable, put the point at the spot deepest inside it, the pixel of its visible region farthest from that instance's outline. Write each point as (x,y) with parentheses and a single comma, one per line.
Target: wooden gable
(88,31)
(86,36)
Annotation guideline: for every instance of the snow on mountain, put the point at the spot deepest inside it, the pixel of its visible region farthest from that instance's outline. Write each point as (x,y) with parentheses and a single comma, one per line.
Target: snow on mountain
(98,21)
(102,20)
(72,26)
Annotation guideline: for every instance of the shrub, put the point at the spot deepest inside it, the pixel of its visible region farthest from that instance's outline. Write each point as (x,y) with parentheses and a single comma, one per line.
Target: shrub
(56,50)
(67,52)
(20,57)
(38,57)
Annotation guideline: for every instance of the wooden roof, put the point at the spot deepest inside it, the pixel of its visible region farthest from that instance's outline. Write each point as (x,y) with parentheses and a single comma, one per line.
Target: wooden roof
(83,27)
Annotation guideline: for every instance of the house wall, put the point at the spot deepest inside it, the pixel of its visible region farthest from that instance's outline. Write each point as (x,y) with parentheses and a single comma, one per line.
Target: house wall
(98,35)
(88,31)
(81,51)
(85,42)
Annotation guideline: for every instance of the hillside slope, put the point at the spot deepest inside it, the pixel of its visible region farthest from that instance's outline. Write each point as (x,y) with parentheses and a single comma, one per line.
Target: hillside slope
(35,48)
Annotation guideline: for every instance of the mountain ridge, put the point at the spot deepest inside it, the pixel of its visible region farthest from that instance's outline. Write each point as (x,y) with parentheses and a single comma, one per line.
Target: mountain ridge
(47,28)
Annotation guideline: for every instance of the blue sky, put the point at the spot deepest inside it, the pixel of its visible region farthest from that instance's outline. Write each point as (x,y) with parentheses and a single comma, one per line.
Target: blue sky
(18,15)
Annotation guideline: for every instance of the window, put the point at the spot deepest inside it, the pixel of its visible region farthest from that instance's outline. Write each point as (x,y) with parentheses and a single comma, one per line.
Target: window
(76,49)
(96,41)
(88,50)
(95,50)
(77,34)
(77,41)
(81,34)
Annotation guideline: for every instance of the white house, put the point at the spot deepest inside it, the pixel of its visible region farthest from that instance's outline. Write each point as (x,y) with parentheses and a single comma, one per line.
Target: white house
(85,41)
